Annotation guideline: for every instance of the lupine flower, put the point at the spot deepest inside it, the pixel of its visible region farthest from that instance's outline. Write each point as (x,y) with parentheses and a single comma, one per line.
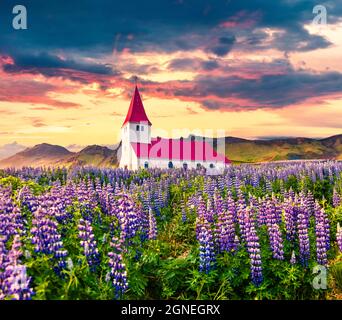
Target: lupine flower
(339,237)
(336,199)
(276,242)
(152,233)
(46,238)
(117,274)
(127,214)
(14,283)
(322,219)
(261,217)
(321,245)
(226,231)
(253,249)
(206,246)
(304,244)
(290,219)
(88,243)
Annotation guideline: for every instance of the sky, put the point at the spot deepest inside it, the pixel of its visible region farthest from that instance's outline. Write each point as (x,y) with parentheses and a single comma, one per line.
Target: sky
(248,68)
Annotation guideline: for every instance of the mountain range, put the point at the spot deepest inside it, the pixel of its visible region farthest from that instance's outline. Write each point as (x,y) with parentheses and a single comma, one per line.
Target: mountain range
(238,150)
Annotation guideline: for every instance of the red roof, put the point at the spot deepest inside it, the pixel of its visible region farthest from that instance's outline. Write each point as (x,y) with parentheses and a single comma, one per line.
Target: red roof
(136,111)
(178,149)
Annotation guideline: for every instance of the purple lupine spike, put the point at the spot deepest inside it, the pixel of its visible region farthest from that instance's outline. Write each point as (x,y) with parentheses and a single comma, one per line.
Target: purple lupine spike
(276,242)
(225,231)
(322,218)
(262,214)
(321,249)
(206,245)
(253,249)
(310,202)
(290,219)
(241,220)
(336,199)
(46,238)
(304,244)
(339,237)
(14,282)
(231,207)
(127,213)
(152,233)
(268,186)
(118,273)
(88,243)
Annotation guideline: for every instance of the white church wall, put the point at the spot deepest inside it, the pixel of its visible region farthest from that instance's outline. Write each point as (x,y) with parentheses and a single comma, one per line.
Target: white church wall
(138,132)
(164,164)
(131,133)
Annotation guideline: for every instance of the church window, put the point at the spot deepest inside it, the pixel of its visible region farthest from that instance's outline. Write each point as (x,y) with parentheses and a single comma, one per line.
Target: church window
(146,165)
(198,166)
(185,166)
(142,128)
(137,127)
(212,166)
(170,165)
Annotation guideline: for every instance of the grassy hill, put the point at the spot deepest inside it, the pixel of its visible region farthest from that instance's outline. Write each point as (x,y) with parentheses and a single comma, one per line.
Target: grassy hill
(283,149)
(97,156)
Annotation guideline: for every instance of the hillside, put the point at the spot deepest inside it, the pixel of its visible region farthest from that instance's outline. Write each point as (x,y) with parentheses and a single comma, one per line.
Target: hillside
(40,155)
(283,149)
(95,155)
(50,155)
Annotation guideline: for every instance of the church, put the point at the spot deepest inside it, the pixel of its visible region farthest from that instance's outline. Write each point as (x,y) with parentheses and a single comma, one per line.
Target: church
(140,150)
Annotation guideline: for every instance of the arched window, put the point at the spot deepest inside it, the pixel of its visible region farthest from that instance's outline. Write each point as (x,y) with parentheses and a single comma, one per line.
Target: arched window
(212,166)
(185,166)
(199,166)
(170,165)
(146,165)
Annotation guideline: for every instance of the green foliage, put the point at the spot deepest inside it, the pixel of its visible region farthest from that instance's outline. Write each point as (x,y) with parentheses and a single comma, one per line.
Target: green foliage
(167,268)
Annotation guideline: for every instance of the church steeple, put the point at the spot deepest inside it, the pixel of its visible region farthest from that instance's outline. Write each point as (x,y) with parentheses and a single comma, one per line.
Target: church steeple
(136,112)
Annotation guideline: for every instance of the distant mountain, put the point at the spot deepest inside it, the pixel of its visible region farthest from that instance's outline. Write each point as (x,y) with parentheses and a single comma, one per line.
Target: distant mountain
(40,155)
(93,155)
(52,155)
(238,150)
(10,149)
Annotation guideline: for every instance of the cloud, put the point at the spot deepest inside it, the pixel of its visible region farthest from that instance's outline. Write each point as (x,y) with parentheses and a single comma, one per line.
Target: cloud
(28,91)
(85,46)
(270,91)
(44,60)
(192,64)
(99,28)
(223,45)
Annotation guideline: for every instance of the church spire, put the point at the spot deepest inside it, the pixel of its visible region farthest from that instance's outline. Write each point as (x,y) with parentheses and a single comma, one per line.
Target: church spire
(136,111)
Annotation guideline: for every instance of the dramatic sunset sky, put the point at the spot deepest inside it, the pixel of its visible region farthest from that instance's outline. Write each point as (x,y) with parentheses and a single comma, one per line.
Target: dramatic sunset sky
(256,68)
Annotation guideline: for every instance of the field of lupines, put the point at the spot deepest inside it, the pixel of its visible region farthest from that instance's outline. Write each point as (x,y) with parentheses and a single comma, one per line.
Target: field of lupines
(255,232)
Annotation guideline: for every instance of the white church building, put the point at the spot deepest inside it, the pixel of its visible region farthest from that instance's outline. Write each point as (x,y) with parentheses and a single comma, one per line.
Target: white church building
(140,150)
